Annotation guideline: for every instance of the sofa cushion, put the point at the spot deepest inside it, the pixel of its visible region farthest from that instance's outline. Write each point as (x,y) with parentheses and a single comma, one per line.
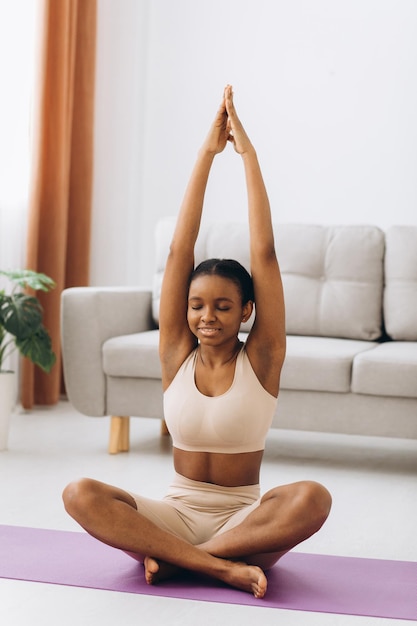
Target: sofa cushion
(390,369)
(311,363)
(135,356)
(332,276)
(400,296)
(320,363)
(333,280)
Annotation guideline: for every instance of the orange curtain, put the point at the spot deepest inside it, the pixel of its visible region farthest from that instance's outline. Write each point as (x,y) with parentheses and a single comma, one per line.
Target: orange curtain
(60,205)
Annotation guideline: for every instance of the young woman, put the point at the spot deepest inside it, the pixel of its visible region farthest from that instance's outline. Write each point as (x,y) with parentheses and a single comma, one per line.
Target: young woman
(219,397)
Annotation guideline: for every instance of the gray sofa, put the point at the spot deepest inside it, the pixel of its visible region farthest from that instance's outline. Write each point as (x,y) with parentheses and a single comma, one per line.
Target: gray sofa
(351,315)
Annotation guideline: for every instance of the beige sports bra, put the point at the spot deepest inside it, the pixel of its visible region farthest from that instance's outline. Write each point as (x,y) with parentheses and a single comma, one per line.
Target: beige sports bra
(236,421)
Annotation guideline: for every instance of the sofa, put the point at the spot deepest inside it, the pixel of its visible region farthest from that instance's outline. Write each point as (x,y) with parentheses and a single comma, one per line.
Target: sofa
(351,323)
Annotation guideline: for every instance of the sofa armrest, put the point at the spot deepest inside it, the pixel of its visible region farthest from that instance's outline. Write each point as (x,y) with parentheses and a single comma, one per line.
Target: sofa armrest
(90,316)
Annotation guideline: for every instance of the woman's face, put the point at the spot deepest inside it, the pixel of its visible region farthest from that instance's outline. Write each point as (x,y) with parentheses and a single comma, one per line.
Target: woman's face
(215,309)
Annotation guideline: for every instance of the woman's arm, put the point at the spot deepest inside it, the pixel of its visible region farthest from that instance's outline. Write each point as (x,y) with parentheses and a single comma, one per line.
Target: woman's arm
(266,341)
(176,339)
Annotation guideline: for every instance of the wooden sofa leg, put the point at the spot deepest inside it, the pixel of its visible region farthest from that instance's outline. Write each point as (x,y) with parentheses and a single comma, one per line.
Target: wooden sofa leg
(164,428)
(119,434)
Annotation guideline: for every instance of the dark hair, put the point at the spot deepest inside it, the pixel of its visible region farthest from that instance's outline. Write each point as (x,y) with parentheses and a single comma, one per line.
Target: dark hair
(230,269)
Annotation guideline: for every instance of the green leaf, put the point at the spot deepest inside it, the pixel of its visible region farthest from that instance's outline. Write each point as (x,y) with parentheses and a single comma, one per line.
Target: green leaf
(28,278)
(21,318)
(38,348)
(21,315)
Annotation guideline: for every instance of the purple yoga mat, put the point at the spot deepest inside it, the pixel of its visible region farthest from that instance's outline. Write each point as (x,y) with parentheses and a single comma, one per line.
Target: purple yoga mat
(305,582)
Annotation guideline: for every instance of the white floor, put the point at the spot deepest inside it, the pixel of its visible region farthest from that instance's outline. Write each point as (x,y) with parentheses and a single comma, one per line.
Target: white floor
(373,482)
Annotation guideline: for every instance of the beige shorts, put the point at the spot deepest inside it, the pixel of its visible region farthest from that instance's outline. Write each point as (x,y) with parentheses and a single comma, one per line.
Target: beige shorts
(197,511)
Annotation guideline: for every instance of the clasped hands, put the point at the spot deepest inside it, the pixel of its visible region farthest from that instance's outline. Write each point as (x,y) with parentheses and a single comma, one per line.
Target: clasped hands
(227,127)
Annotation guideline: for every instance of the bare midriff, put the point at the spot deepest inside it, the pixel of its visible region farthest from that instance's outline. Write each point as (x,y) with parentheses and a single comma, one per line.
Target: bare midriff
(228,470)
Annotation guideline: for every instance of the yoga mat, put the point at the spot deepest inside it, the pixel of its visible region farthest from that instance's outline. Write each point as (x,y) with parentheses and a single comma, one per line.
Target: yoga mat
(299,581)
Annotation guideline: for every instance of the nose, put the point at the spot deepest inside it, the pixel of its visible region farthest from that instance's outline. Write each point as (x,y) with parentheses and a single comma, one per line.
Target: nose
(208,315)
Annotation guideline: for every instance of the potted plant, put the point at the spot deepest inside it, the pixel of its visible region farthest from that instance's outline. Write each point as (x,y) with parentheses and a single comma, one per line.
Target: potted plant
(21,329)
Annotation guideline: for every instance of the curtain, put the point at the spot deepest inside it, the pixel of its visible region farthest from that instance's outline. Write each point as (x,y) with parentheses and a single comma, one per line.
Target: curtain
(60,200)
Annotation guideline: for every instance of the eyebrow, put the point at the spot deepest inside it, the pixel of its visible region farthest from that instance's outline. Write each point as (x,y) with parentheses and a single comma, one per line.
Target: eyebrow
(223,299)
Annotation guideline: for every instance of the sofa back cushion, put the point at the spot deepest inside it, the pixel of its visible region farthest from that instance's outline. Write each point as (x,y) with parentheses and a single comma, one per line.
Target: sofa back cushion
(400,295)
(332,276)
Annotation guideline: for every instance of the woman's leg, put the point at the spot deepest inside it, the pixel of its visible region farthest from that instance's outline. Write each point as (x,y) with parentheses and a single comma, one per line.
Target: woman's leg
(285,517)
(110,515)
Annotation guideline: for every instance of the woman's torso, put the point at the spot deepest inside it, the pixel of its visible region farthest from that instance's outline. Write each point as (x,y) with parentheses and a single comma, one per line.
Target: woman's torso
(220,438)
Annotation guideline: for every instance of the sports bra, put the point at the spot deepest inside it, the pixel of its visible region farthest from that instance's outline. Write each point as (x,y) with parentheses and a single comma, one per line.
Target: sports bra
(235,421)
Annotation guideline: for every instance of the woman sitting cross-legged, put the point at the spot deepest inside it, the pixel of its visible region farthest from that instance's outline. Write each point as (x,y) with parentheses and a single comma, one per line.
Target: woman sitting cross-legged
(219,400)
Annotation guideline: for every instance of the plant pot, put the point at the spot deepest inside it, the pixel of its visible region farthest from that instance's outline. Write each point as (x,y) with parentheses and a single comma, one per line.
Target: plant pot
(7,403)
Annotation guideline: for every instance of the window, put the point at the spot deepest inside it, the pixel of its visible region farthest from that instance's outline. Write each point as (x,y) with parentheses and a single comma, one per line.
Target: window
(18,21)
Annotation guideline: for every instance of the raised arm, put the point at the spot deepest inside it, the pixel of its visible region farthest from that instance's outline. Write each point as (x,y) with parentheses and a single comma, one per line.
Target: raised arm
(176,339)
(266,341)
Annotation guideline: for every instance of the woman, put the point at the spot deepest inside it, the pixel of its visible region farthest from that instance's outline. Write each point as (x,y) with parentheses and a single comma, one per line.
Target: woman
(219,398)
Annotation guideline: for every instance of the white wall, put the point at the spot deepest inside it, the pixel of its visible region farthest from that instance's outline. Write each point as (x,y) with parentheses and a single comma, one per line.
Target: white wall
(327,91)
(119,120)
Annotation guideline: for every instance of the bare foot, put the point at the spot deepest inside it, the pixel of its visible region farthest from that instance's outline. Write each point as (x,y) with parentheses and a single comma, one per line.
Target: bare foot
(156,571)
(247,577)
(239,575)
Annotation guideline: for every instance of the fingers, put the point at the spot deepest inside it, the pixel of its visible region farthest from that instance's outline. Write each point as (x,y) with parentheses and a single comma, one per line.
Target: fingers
(235,132)
(232,116)
(232,119)
(228,99)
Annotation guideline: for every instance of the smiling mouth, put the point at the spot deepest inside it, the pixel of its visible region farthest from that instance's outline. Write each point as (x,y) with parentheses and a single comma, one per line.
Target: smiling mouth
(208,331)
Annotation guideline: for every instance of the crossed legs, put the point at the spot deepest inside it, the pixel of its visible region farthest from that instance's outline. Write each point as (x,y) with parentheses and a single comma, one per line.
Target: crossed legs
(286,516)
